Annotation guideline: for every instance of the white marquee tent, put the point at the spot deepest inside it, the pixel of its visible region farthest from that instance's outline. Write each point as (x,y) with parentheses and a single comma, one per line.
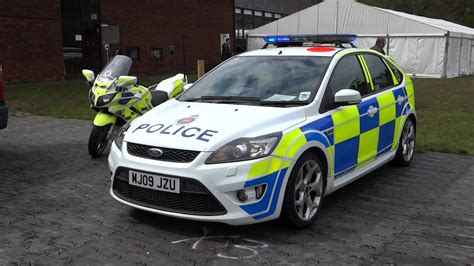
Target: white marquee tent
(424,47)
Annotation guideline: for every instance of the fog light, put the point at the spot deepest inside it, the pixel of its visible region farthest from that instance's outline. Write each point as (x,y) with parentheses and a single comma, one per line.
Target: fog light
(242,195)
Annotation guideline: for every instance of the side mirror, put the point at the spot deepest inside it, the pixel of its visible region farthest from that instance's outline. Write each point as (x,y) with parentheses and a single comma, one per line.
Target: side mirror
(88,74)
(347,97)
(187,86)
(125,81)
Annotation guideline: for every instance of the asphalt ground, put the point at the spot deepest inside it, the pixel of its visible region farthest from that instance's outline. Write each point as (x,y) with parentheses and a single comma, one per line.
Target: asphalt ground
(55,208)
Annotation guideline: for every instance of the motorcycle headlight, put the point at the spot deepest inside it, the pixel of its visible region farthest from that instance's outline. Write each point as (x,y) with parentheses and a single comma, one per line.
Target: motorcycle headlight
(121,135)
(105,99)
(245,149)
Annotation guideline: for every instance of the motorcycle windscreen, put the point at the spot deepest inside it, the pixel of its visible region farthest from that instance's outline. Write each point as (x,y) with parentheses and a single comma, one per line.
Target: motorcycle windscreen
(119,66)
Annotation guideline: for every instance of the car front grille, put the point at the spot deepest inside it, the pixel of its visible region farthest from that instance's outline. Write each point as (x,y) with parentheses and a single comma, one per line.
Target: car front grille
(194,198)
(168,155)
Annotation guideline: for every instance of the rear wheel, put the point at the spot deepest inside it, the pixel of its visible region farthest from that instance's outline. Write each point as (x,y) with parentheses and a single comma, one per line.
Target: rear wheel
(304,191)
(406,146)
(99,140)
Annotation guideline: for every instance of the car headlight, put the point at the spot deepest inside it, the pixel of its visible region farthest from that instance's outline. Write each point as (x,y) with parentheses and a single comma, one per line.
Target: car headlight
(245,149)
(121,135)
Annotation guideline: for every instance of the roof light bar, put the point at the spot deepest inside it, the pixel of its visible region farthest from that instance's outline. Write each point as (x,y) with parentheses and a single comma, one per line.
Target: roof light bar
(329,38)
(277,39)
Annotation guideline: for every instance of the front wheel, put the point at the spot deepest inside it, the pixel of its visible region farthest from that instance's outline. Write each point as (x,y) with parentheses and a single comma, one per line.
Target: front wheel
(99,140)
(304,191)
(406,146)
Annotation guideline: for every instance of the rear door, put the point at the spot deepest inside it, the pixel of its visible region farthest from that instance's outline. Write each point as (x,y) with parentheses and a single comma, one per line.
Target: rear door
(382,108)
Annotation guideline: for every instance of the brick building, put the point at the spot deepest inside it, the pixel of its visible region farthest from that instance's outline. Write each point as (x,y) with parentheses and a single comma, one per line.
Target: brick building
(31,40)
(52,39)
(251,14)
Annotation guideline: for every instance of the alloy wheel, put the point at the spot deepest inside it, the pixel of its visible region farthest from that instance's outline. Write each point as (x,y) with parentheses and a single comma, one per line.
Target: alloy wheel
(408,141)
(308,190)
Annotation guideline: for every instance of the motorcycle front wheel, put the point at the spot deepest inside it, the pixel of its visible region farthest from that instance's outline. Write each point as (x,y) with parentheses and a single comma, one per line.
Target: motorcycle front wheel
(99,140)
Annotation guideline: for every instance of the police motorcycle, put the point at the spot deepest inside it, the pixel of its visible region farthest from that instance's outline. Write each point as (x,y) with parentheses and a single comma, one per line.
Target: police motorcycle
(118,99)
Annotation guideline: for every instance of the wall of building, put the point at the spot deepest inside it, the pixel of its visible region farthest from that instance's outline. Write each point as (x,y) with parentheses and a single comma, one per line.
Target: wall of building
(31,40)
(31,35)
(192,26)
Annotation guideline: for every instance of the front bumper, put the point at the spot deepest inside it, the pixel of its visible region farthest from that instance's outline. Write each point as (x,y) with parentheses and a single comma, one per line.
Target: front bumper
(3,116)
(221,181)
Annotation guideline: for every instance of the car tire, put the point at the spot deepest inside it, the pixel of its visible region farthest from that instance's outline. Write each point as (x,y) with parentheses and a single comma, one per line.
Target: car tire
(99,140)
(304,191)
(406,144)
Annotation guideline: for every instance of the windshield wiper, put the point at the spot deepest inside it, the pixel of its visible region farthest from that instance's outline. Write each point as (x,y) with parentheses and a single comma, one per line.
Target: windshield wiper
(243,99)
(282,103)
(225,99)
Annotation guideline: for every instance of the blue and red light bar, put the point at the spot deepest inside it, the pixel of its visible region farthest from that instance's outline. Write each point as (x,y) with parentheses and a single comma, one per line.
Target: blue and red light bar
(326,38)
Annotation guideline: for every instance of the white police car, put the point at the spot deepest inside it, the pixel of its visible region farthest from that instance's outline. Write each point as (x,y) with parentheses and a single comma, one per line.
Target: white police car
(268,134)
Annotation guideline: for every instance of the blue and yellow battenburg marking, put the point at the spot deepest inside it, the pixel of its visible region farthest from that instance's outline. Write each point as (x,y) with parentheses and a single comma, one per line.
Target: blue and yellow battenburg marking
(351,136)
(360,135)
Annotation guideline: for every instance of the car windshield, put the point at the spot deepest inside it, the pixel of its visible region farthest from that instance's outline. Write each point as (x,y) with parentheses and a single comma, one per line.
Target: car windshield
(262,80)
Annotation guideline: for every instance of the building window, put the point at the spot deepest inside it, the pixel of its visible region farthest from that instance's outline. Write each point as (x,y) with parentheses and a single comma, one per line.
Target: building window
(156,53)
(239,24)
(133,52)
(258,19)
(268,17)
(248,19)
(277,16)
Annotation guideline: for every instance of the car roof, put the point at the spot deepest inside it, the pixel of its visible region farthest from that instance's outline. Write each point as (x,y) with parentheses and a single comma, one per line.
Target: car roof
(321,51)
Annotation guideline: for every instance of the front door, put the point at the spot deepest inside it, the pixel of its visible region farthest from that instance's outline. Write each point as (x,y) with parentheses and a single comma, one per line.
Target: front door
(348,131)
(91,47)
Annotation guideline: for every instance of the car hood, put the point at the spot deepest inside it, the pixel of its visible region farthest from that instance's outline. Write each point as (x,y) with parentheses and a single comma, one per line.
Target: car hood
(208,126)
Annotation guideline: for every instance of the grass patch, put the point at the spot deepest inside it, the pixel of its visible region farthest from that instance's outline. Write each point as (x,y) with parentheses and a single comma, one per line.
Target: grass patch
(445,115)
(63,99)
(444,108)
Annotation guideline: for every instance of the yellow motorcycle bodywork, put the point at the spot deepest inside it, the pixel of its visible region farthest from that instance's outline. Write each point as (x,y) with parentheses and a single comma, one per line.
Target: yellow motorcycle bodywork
(128,104)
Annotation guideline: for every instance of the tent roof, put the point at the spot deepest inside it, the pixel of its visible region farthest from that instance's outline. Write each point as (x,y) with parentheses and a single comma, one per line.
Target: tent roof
(351,17)
(439,23)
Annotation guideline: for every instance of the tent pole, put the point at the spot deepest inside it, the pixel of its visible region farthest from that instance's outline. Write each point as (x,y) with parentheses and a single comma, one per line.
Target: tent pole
(337,15)
(388,44)
(445,70)
(460,54)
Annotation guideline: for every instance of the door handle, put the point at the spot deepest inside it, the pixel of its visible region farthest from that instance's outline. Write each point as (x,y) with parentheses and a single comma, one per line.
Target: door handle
(400,100)
(372,111)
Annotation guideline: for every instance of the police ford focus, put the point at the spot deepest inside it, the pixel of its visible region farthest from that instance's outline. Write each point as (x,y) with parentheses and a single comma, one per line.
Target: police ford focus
(268,134)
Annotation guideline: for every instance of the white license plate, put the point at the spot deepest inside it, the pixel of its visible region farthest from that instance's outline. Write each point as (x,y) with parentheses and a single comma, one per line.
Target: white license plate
(151,181)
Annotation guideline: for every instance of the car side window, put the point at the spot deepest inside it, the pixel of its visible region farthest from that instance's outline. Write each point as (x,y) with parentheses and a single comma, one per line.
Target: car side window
(347,74)
(396,72)
(381,76)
